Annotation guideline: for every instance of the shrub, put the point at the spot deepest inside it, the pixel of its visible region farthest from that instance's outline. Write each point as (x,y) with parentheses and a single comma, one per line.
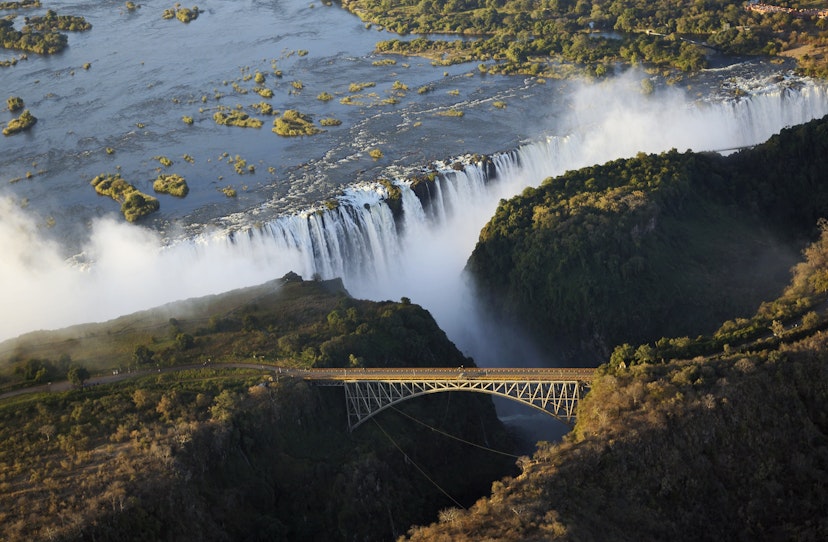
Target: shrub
(358,87)
(14,103)
(263,92)
(186,15)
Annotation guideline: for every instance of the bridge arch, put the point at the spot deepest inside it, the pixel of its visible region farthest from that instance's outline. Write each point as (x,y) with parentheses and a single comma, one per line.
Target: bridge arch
(558,399)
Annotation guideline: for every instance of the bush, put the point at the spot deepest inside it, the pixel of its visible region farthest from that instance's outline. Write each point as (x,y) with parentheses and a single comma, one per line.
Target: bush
(14,103)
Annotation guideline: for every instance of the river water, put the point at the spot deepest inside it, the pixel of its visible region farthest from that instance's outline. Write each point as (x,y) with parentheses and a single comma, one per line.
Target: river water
(69,257)
(147,73)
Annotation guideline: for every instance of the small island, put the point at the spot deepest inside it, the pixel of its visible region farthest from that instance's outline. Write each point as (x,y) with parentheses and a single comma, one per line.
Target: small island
(134,203)
(25,121)
(172,184)
(24,4)
(14,103)
(42,43)
(293,124)
(53,21)
(185,15)
(235,117)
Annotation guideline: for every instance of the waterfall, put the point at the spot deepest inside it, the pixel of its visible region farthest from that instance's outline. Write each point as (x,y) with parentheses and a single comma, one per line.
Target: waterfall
(383,244)
(361,241)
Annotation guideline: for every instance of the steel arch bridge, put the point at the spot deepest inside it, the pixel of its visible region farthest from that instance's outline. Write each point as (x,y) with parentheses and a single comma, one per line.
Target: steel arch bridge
(369,391)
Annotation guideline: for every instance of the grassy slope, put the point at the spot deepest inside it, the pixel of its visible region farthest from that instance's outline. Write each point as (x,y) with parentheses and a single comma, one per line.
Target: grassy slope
(221,454)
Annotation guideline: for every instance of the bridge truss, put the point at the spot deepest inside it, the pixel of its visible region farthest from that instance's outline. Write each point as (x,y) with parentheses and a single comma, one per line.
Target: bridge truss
(365,398)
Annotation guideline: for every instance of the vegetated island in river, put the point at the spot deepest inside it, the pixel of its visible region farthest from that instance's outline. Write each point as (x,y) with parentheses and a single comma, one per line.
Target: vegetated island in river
(531,36)
(212,452)
(134,203)
(44,43)
(25,121)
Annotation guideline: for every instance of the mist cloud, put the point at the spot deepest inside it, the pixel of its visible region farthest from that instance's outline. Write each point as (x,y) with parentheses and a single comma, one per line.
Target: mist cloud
(124,268)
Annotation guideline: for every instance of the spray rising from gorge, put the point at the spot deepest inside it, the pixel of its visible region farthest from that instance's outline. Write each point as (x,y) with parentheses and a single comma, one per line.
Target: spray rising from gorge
(420,254)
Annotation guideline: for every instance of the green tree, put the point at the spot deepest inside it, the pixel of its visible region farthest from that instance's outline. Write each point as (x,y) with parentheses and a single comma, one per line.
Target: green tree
(184,341)
(78,375)
(143,354)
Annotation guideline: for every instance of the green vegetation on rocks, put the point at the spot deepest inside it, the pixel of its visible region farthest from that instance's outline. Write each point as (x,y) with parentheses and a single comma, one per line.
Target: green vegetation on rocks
(173,184)
(185,15)
(22,4)
(134,203)
(53,21)
(292,123)
(359,87)
(235,117)
(264,108)
(14,103)
(263,92)
(330,121)
(43,43)
(163,160)
(25,121)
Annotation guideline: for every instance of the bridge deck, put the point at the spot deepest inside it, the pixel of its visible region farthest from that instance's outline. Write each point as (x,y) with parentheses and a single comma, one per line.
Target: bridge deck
(498,374)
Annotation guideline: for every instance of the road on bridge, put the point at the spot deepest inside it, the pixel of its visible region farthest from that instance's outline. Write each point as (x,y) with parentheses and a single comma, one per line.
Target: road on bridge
(498,374)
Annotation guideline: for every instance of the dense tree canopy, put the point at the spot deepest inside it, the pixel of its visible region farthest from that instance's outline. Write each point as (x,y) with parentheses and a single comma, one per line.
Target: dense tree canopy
(523,35)
(653,246)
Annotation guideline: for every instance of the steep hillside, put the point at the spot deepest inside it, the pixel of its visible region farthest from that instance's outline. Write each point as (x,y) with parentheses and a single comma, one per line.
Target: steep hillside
(654,246)
(728,446)
(217,453)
